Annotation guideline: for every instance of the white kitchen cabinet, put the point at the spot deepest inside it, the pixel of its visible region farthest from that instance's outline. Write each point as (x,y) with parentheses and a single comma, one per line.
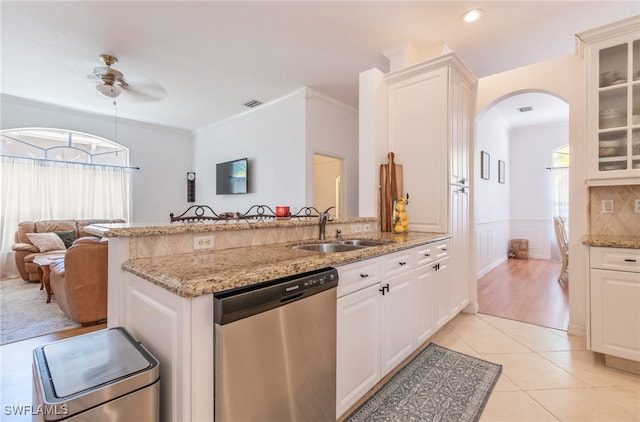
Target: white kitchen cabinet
(615,302)
(432,290)
(397,320)
(179,332)
(388,306)
(358,345)
(612,59)
(442,293)
(459,247)
(429,110)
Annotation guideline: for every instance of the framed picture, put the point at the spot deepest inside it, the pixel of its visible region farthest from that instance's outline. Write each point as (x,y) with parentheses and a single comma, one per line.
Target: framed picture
(485,159)
(500,171)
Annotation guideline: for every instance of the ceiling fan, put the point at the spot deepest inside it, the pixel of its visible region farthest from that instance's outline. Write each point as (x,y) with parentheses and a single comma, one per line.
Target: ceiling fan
(113,83)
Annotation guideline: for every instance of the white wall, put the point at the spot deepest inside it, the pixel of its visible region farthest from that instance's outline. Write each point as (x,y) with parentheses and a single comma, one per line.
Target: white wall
(279,139)
(332,129)
(492,198)
(567,83)
(531,208)
(163,154)
(272,138)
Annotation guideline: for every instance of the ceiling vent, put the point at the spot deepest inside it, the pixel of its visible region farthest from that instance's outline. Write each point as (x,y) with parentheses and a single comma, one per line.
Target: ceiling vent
(525,109)
(252,103)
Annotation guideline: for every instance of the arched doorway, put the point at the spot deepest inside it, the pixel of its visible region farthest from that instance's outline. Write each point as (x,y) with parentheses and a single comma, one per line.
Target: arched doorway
(517,135)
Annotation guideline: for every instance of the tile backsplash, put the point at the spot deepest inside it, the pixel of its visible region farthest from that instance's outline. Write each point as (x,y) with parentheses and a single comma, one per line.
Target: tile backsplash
(612,210)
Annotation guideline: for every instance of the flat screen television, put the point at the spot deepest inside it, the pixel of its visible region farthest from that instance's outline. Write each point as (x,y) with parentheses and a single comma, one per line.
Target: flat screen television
(231,177)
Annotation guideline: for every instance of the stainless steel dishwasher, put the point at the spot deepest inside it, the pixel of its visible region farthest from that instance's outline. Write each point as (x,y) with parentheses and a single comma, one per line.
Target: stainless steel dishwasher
(275,350)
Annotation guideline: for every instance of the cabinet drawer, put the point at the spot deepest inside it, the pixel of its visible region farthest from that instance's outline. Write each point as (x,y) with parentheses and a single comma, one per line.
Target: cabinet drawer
(356,276)
(431,252)
(619,259)
(397,263)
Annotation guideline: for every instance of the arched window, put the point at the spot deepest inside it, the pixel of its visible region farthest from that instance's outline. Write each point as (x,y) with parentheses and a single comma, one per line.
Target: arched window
(62,145)
(51,174)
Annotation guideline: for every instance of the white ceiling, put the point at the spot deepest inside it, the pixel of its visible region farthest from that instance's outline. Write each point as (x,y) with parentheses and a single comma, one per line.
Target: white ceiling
(213,56)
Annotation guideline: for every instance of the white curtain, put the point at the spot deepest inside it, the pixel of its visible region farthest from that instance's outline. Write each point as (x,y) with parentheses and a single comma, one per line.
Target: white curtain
(560,192)
(46,190)
(559,203)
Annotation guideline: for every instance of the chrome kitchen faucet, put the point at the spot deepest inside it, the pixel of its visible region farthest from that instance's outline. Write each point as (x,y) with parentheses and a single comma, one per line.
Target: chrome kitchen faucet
(322,222)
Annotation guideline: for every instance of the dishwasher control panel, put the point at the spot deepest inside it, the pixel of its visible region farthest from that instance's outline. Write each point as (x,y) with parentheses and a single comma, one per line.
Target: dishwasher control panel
(235,304)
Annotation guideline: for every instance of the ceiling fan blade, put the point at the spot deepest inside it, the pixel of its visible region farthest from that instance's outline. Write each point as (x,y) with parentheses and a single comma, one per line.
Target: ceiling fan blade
(144,90)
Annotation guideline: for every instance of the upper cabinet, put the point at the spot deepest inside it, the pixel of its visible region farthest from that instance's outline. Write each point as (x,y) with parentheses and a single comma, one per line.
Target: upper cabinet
(429,110)
(612,57)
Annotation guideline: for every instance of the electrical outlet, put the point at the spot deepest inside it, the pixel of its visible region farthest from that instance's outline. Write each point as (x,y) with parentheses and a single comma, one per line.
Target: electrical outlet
(637,206)
(203,242)
(367,227)
(607,206)
(356,228)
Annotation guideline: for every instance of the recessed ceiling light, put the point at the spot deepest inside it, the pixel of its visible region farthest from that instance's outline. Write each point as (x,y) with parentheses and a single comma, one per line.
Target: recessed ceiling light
(472,15)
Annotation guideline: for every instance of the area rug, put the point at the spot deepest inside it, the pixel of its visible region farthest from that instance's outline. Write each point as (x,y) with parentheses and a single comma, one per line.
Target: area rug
(437,385)
(24,312)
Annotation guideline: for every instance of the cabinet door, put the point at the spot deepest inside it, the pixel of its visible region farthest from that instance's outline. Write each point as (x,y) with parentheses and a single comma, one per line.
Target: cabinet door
(613,98)
(424,313)
(358,346)
(615,313)
(442,292)
(460,245)
(417,134)
(397,321)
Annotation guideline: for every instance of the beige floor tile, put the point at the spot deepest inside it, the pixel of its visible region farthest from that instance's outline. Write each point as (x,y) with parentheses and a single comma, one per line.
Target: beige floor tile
(531,371)
(505,384)
(591,404)
(589,367)
(489,341)
(498,322)
(467,321)
(577,342)
(514,406)
(538,339)
(447,338)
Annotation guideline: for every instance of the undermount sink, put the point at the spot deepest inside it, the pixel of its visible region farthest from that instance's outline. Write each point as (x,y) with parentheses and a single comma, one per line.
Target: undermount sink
(327,247)
(365,242)
(340,246)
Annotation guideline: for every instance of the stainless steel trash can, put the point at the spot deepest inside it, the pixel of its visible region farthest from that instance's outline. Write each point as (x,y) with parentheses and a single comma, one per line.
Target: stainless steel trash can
(105,375)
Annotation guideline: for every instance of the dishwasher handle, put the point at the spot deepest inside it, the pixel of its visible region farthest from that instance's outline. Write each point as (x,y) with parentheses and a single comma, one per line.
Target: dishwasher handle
(233,305)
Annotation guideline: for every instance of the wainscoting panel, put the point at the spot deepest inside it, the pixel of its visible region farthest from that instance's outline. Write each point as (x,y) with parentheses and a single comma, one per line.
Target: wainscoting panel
(492,245)
(540,234)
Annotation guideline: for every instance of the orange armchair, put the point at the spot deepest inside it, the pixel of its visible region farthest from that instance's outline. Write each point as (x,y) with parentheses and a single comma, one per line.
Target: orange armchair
(79,281)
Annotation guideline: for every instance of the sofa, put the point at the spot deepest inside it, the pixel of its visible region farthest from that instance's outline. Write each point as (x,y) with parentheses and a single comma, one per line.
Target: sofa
(79,280)
(25,249)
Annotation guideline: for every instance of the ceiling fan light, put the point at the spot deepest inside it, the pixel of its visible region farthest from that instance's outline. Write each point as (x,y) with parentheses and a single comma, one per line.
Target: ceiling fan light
(472,15)
(109,91)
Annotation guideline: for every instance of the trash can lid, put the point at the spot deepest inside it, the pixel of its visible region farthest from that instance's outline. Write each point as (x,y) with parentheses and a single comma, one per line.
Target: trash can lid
(84,362)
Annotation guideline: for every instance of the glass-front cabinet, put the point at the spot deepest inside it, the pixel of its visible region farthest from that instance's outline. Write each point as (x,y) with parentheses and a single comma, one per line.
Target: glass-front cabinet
(613,99)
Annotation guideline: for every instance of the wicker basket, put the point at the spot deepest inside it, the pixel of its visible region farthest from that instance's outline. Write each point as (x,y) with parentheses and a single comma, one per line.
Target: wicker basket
(520,248)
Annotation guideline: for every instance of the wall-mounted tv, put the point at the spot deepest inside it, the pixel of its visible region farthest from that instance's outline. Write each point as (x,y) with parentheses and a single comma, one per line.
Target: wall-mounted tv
(231,177)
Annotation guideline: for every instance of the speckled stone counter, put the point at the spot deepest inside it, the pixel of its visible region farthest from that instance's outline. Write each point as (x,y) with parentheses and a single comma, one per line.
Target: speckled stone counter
(201,273)
(632,242)
(146,229)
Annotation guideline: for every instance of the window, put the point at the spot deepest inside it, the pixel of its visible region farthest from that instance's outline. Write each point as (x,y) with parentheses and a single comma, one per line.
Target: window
(59,174)
(560,183)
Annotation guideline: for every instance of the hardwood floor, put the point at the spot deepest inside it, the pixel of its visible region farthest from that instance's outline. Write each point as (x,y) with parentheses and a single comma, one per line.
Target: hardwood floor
(526,290)
(17,378)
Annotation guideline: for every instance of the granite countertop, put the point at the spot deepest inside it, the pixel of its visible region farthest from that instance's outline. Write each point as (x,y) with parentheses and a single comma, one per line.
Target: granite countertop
(632,242)
(151,229)
(206,272)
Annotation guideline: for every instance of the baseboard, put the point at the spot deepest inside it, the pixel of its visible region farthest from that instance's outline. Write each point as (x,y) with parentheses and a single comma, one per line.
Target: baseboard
(577,330)
(491,266)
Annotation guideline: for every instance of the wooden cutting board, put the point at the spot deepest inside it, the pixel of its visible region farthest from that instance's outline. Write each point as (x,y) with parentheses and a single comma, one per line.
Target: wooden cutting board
(390,190)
